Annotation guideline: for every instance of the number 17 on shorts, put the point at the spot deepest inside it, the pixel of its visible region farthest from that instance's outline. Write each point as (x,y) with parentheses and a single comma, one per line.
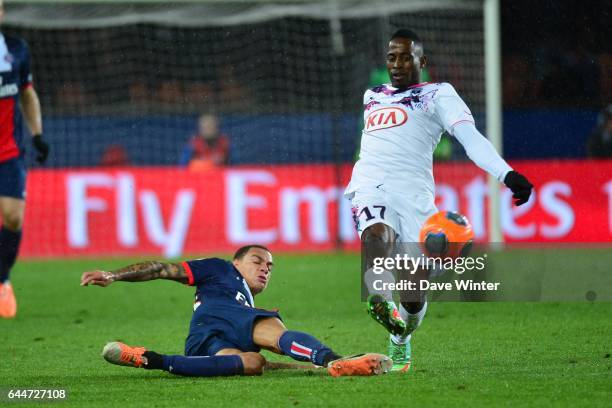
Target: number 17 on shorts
(370,214)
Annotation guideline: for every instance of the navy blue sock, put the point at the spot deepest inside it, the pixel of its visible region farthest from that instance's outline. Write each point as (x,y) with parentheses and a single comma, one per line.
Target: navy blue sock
(303,347)
(196,366)
(9,246)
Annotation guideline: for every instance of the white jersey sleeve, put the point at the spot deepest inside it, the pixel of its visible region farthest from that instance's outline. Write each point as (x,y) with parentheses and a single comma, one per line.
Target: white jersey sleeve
(457,120)
(450,108)
(481,151)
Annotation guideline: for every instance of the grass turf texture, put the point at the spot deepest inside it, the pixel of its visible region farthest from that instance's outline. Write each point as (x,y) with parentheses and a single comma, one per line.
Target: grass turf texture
(481,354)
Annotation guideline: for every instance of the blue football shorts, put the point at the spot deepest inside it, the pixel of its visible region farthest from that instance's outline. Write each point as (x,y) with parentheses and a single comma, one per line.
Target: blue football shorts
(13,178)
(221,326)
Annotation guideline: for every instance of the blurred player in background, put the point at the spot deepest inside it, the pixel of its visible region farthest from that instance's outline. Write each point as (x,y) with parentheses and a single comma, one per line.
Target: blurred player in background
(227,331)
(209,148)
(599,144)
(392,185)
(16,95)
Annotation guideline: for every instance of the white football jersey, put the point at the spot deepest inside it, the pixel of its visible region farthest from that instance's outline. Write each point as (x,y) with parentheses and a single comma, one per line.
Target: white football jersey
(401,131)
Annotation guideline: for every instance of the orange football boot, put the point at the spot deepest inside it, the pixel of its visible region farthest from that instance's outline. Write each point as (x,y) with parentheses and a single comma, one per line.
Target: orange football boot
(121,354)
(8,303)
(360,364)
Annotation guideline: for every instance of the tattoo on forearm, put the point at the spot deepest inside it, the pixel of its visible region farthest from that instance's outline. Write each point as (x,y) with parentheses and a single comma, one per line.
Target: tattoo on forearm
(150,270)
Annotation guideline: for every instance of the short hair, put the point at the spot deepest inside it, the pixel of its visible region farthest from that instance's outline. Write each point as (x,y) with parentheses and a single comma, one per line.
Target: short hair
(406,33)
(242,251)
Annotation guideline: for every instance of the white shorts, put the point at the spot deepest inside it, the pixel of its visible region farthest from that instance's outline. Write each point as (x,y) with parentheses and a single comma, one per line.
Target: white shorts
(406,213)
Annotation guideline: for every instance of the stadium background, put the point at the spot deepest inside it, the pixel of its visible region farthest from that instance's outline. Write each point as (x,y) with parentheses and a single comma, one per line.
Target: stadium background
(287,89)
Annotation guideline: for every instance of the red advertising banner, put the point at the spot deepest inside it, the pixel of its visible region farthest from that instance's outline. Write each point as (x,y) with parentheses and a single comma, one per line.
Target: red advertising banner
(171,211)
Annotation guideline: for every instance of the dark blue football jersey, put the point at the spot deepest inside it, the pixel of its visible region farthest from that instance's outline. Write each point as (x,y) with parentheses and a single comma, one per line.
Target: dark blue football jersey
(217,281)
(15,76)
(224,313)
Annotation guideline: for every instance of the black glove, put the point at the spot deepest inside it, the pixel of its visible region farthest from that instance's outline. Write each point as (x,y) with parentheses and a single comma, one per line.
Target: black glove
(42,147)
(520,187)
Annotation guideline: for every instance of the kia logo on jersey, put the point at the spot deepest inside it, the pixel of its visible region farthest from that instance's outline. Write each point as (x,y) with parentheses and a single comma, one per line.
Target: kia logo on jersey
(385,118)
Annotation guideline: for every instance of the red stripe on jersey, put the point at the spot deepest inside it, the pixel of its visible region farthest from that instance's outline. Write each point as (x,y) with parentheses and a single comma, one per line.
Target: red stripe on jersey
(189,273)
(8,146)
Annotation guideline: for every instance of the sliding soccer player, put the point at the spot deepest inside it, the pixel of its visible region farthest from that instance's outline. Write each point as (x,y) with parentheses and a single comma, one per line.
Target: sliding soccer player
(227,331)
(392,187)
(16,95)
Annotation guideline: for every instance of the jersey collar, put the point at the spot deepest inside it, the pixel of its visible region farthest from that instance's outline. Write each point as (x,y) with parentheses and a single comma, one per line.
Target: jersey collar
(395,90)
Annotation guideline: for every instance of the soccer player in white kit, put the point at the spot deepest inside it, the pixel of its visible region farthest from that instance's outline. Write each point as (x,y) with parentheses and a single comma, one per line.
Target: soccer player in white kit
(392,186)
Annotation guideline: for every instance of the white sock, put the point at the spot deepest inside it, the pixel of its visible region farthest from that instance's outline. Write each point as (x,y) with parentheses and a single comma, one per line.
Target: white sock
(400,339)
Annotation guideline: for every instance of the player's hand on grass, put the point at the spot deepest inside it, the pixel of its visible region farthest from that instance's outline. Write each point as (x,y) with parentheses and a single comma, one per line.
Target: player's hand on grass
(41,147)
(100,278)
(520,187)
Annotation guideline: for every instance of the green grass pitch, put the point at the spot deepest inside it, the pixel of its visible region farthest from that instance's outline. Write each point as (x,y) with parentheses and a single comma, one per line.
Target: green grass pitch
(464,354)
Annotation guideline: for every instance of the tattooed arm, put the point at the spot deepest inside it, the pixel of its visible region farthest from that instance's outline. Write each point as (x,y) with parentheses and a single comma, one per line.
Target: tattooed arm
(139,272)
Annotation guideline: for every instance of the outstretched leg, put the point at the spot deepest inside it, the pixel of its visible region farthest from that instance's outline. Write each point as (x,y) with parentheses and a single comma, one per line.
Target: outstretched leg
(271,334)
(412,309)
(377,240)
(399,322)
(12,210)
(226,363)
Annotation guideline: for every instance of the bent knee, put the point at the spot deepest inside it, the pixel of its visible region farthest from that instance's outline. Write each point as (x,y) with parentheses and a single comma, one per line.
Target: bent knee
(13,220)
(253,363)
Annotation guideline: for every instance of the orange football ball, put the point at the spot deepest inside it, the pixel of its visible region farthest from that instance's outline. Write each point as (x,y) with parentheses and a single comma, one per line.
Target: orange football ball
(446,234)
